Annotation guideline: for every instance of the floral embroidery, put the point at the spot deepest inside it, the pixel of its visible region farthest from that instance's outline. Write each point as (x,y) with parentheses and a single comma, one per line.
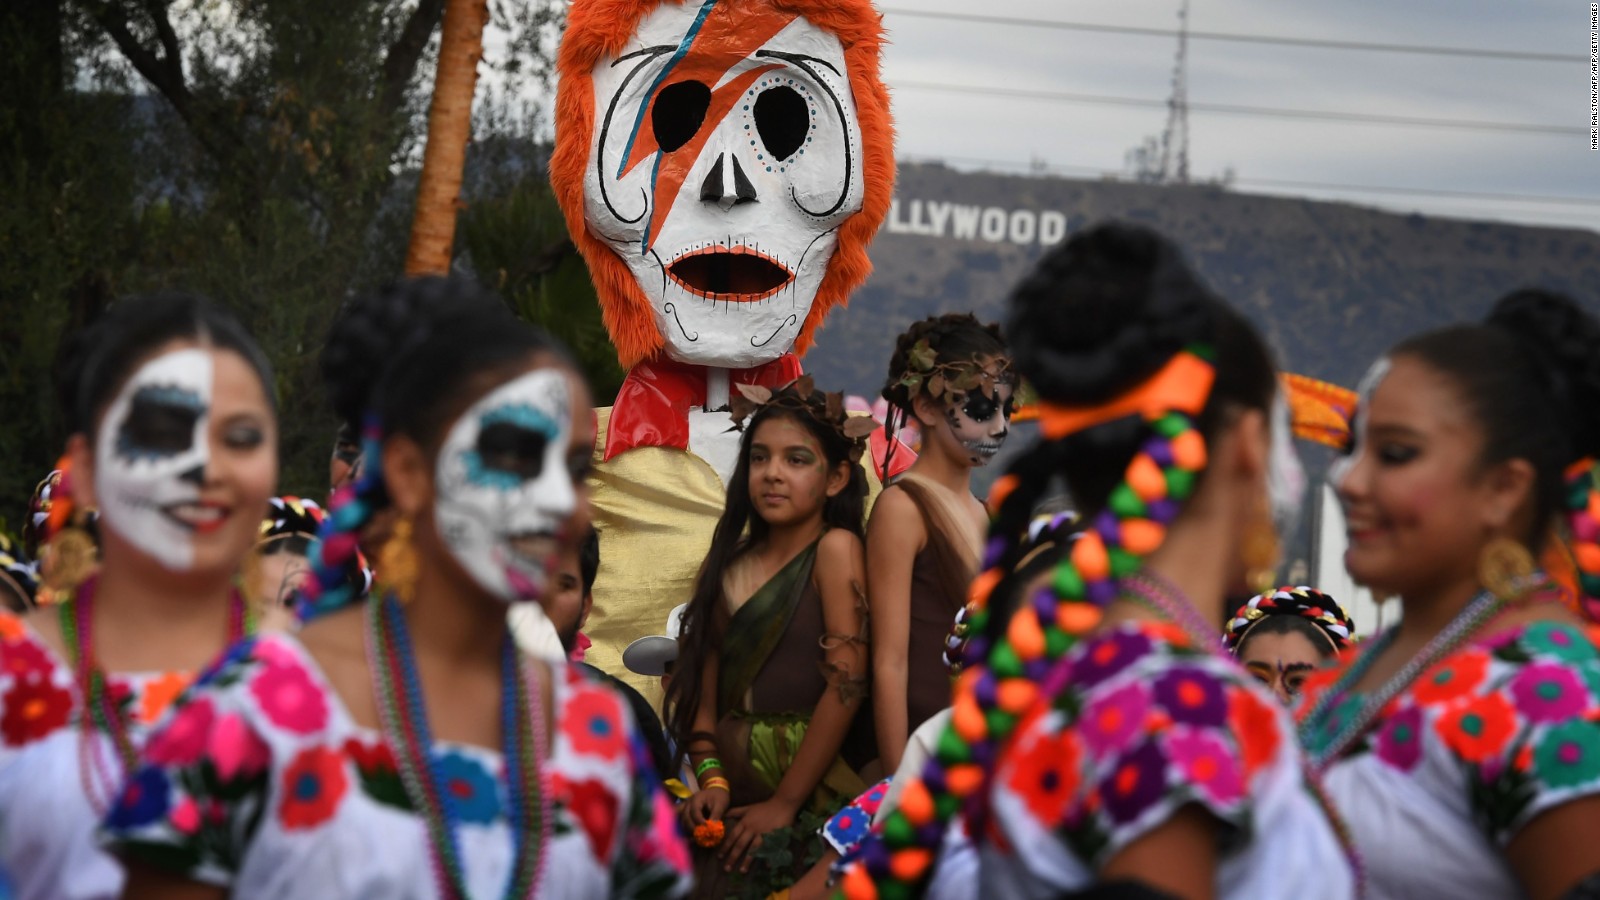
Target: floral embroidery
(1137,781)
(1568,754)
(471,789)
(1045,773)
(1110,721)
(144,799)
(1548,693)
(25,658)
(1399,741)
(159,693)
(1558,641)
(594,807)
(236,752)
(312,786)
(289,698)
(1191,695)
(1255,723)
(593,724)
(1209,763)
(1478,729)
(184,739)
(1108,656)
(1455,677)
(11,627)
(849,825)
(34,707)
(378,773)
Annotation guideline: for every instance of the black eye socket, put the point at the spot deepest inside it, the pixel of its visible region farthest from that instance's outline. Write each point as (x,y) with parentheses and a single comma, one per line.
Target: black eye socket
(678,113)
(981,407)
(782,119)
(157,427)
(506,447)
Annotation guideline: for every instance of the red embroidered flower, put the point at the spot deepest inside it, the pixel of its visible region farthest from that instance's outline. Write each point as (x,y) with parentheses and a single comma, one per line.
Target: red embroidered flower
(1255,725)
(370,758)
(1479,729)
(24,658)
(594,807)
(33,709)
(313,785)
(1044,773)
(592,721)
(1453,678)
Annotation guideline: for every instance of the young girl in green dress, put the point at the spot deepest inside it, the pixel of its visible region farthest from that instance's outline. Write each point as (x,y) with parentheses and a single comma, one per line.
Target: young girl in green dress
(773,658)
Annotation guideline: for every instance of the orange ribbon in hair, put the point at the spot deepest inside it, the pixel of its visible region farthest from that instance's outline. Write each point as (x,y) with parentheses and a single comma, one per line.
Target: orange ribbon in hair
(1182,385)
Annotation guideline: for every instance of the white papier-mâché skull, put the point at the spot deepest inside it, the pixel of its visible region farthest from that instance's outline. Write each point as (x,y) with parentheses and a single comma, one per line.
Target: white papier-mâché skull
(726,154)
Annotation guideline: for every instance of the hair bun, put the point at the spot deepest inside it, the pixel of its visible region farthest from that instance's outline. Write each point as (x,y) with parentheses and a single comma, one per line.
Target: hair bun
(373,331)
(1104,311)
(1566,339)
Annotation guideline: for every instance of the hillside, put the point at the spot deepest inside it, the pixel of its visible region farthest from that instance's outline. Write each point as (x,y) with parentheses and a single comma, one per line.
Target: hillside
(1333,285)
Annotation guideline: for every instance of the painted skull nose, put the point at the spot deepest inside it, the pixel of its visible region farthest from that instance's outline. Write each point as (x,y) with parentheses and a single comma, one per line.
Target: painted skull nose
(726,184)
(195,476)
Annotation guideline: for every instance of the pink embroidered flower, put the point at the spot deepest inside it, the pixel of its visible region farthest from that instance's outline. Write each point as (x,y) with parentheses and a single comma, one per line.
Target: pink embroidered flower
(183,740)
(289,697)
(185,817)
(1399,740)
(663,842)
(1208,763)
(1112,720)
(1548,692)
(235,750)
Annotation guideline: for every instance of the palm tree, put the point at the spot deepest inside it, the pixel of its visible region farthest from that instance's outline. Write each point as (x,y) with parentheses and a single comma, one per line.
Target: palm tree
(449,125)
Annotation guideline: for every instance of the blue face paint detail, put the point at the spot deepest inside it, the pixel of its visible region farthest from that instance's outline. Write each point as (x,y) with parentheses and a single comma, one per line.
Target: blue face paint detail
(644,104)
(520,415)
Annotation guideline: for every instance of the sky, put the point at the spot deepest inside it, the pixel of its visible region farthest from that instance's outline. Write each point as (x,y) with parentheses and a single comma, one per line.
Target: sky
(1552,179)
(1082,139)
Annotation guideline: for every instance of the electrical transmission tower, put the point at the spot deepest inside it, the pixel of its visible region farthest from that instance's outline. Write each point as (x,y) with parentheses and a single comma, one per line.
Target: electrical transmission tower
(1175,137)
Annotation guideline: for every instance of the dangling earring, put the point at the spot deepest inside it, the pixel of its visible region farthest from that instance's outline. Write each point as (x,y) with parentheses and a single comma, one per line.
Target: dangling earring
(1505,568)
(1260,553)
(66,561)
(397,562)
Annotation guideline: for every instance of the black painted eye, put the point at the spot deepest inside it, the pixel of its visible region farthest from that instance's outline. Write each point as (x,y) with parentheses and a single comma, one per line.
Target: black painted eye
(160,423)
(981,407)
(510,448)
(783,120)
(679,111)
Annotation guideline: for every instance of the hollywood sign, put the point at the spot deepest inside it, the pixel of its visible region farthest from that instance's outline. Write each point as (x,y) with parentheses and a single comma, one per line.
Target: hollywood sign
(936,218)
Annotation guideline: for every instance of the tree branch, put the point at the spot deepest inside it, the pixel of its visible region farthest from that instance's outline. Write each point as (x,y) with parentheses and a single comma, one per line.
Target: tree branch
(155,70)
(400,62)
(169,39)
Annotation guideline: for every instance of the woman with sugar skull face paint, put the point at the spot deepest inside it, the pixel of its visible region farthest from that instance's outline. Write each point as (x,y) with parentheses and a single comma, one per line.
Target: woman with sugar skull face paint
(174,440)
(1476,720)
(951,374)
(401,745)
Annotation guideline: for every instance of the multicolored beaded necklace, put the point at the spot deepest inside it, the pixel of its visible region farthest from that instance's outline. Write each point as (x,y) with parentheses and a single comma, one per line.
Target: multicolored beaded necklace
(405,728)
(1162,596)
(103,778)
(1322,753)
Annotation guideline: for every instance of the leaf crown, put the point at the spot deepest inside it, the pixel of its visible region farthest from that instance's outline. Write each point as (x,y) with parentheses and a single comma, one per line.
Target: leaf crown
(802,397)
(924,371)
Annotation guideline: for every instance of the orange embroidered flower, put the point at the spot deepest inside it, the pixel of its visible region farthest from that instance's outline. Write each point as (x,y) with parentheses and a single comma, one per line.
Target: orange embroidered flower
(1453,678)
(709,833)
(11,627)
(159,693)
(1255,725)
(1044,773)
(1479,729)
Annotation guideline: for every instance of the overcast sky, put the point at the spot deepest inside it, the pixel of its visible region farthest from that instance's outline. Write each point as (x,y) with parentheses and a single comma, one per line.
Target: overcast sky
(1006,133)
(1082,137)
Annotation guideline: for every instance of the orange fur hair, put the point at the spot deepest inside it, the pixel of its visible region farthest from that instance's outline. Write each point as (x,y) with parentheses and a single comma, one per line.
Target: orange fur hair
(600,28)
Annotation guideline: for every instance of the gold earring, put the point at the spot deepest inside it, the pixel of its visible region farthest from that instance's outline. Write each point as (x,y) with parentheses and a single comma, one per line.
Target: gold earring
(397,562)
(66,562)
(1505,568)
(1260,554)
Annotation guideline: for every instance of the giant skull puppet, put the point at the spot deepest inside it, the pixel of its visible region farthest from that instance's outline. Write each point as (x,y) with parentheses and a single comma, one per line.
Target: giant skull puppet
(722,165)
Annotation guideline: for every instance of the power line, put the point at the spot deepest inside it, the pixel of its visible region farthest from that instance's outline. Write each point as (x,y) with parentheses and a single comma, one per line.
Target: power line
(1233,109)
(1591,202)
(1425,49)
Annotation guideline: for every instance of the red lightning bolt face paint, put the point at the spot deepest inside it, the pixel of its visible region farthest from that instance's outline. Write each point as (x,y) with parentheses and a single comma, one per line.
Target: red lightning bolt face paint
(726,154)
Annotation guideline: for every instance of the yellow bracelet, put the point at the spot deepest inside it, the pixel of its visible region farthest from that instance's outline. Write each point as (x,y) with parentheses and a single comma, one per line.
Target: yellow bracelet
(715,782)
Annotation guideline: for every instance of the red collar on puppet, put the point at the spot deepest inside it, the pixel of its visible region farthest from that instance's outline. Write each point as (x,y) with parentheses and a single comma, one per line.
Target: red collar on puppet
(652,407)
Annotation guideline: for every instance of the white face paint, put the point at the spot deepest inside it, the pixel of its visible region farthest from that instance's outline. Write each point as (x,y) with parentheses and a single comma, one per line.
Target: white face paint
(1358,429)
(504,492)
(981,422)
(727,152)
(1286,477)
(150,458)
